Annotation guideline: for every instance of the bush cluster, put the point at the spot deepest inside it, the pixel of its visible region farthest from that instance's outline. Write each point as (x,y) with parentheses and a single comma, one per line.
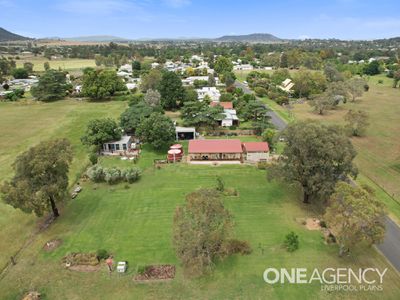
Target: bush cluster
(113,175)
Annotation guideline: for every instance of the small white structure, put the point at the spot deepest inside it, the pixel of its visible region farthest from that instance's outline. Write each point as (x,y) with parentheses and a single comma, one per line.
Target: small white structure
(131,86)
(122,146)
(155,65)
(126,68)
(244,67)
(286,85)
(190,80)
(212,92)
(230,118)
(121,267)
(185,133)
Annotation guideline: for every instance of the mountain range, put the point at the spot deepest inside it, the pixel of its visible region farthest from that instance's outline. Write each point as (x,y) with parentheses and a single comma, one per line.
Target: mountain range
(6,36)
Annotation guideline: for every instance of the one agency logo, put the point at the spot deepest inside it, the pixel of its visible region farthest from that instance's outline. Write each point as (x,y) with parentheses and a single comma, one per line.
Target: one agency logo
(331,279)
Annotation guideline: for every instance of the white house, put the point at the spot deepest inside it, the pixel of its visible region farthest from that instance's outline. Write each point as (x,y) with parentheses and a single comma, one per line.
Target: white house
(212,92)
(244,67)
(154,65)
(230,118)
(123,146)
(126,68)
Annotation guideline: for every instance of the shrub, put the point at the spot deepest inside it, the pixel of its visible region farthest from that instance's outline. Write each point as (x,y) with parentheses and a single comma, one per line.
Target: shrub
(322,223)
(131,175)
(102,254)
(234,246)
(112,175)
(96,173)
(291,242)
(262,165)
(93,158)
(260,91)
(220,184)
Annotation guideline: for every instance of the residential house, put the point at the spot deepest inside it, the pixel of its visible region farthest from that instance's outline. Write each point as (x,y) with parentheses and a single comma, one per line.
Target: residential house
(225,105)
(212,92)
(124,146)
(230,118)
(227,150)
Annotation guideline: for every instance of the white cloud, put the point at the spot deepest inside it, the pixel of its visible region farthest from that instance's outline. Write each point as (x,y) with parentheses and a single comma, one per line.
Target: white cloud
(177,3)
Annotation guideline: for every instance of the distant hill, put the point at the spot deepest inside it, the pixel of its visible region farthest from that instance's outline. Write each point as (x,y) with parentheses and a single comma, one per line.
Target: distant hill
(249,38)
(6,36)
(96,38)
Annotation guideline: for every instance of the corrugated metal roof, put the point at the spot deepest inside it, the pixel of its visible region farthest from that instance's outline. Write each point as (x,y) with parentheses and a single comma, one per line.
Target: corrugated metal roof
(256,147)
(215,146)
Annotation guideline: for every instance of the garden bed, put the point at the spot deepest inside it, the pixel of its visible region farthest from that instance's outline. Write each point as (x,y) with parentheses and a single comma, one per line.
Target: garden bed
(156,273)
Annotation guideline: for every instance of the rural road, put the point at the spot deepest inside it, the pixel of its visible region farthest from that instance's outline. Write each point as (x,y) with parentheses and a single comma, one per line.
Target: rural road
(275,119)
(391,244)
(390,247)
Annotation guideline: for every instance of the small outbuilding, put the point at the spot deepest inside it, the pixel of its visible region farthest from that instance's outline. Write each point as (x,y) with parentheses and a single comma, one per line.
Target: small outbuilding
(256,151)
(185,133)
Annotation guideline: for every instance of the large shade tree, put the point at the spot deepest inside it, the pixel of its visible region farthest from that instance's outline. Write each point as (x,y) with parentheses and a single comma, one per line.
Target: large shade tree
(201,228)
(158,130)
(41,178)
(100,84)
(354,216)
(99,131)
(171,90)
(52,86)
(316,157)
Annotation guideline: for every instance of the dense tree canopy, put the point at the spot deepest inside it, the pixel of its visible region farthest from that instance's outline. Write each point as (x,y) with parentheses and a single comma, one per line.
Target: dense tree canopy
(316,157)
(200,114)
(100,84)
(131,118)
(157,130)
(223,64)
(171,90)
(99,131)
(52,86)
(41,178)
(354,215)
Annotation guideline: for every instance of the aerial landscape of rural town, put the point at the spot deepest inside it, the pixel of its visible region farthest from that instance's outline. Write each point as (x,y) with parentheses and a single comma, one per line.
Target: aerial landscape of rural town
(185,149)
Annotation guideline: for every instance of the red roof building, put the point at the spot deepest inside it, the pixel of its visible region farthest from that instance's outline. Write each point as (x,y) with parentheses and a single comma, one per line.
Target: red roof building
(215,150)
(256,151)
(225,105)
(255,147)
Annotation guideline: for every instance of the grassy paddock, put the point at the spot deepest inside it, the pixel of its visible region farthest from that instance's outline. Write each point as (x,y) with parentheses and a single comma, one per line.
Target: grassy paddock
(24,124)
(378,152)
(135,224)
(64,64)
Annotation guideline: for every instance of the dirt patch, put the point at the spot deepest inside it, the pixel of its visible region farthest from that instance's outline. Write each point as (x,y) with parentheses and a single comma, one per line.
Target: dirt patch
(313,224)
(51,245)
(156,273)
(84,268)
(32,296)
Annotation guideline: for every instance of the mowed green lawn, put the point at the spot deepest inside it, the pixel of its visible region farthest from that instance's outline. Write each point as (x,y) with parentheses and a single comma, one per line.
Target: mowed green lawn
(27,123)
(68,64)
(378,152)
(135,224)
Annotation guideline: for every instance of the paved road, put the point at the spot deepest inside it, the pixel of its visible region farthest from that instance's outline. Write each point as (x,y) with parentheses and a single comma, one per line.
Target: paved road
(390,247)
(276,120)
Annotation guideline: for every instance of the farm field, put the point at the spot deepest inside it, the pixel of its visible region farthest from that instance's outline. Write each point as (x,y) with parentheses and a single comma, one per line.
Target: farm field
(72,64)
(378,156)
(135,225)
(24,124)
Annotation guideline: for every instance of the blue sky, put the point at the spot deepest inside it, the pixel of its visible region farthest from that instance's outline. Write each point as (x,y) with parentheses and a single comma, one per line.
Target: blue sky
(345,19)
